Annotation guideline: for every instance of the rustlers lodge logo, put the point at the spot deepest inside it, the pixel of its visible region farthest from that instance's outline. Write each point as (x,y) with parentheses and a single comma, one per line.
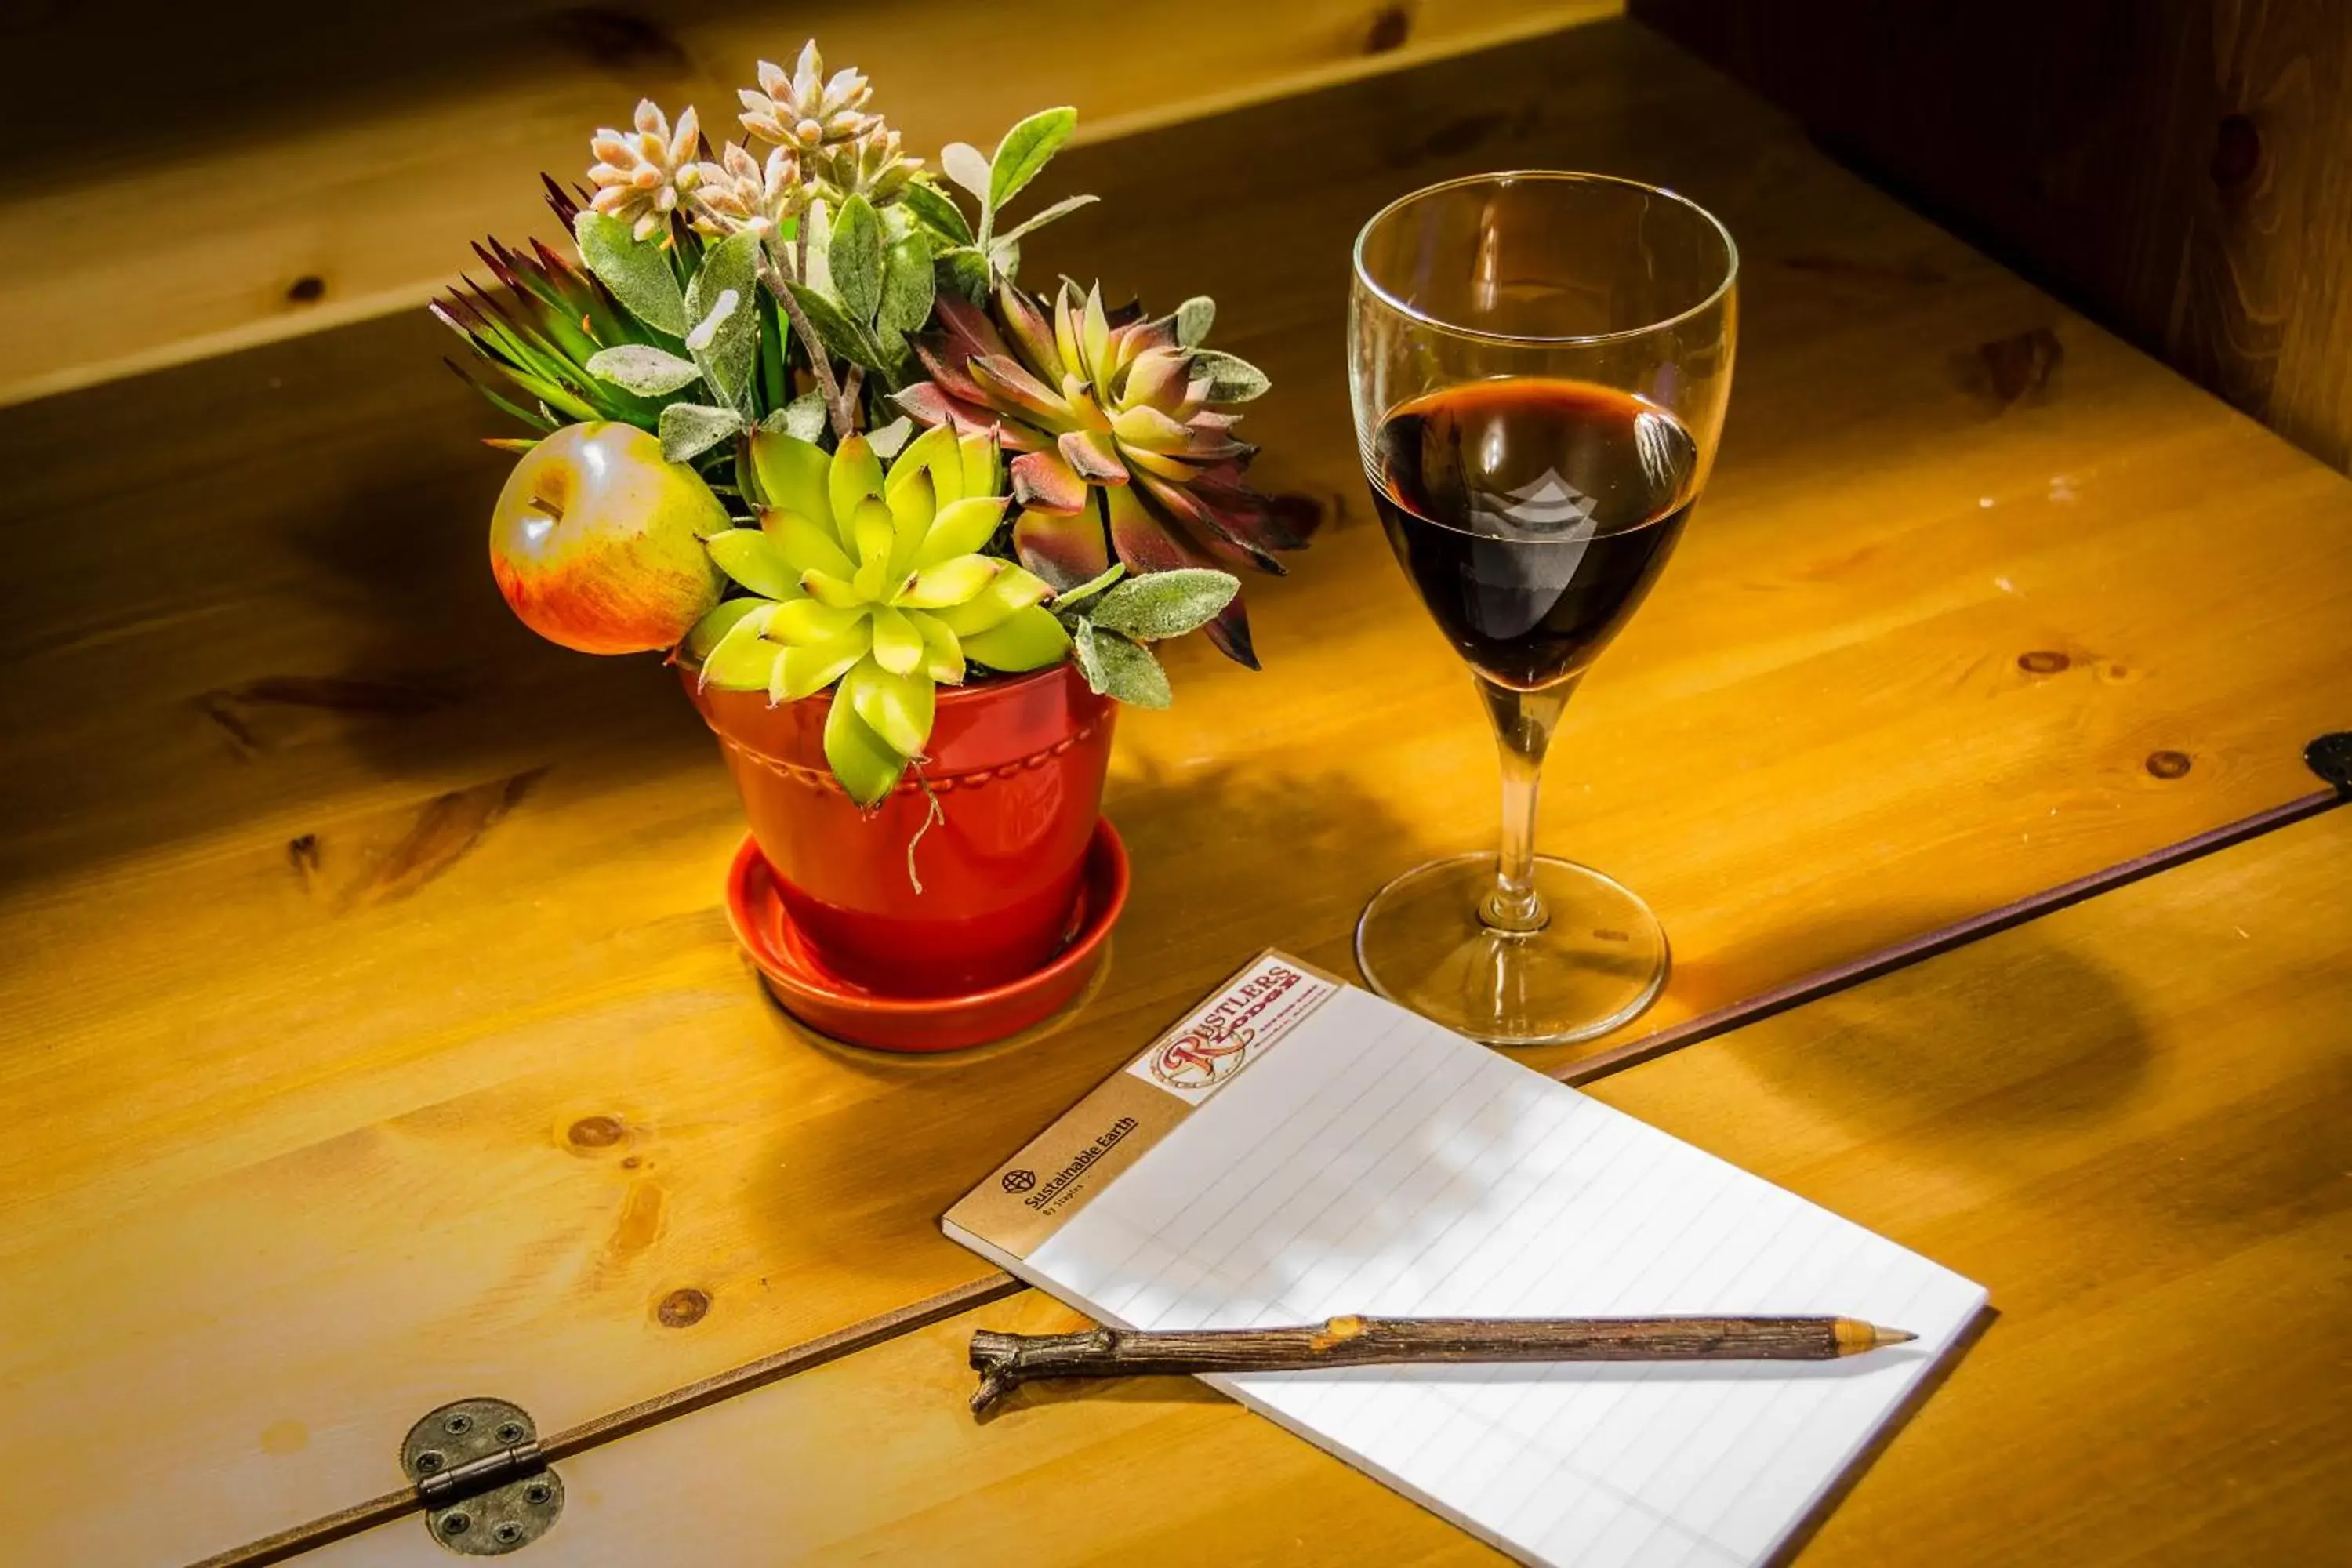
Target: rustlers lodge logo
(1020,1181)
(1212,1047)
(1201,1055)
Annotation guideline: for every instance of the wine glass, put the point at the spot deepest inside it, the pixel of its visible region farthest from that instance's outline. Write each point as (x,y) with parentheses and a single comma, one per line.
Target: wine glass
(1539,364)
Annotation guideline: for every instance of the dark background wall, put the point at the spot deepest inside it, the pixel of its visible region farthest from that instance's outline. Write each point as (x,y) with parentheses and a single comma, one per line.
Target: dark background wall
(2180,170)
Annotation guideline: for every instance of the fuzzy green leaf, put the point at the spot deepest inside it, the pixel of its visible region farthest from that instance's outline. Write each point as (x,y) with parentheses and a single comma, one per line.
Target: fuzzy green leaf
(1193,318)
(1130,673)
(887,440)
(803,416)
(690,429)
(726,340)
(907,284)
(1062,208)
(842,336)
(1231,380)
(642,369)
(937,211)
(638,271)
(1084,654)
(967,166)
(964,272)
(1025,150)
(1166,603)
(1071,601)
(855,258)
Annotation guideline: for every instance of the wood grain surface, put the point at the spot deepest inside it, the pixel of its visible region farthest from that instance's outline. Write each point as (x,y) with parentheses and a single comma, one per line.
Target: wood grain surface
(2126,1118)
(2175,167)
(315,166)
(374,1037)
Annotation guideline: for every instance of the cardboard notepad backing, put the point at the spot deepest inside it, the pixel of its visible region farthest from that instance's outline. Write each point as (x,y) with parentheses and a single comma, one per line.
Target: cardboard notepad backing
(1297,1148)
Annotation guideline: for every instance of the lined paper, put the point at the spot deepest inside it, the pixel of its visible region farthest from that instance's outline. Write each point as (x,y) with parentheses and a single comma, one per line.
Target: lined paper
(1377,1163)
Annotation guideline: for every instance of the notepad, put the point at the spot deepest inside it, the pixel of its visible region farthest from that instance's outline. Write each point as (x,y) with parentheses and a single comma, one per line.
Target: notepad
(1297,1148)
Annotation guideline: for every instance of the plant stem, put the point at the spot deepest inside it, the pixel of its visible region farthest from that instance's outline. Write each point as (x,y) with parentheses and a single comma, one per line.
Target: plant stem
(837,408)
(1524,722)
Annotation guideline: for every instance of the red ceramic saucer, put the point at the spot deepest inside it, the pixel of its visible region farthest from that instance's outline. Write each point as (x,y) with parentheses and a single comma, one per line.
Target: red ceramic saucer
(848,1011)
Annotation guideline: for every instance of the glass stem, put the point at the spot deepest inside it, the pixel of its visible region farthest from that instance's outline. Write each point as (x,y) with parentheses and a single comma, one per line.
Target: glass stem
(1524,722)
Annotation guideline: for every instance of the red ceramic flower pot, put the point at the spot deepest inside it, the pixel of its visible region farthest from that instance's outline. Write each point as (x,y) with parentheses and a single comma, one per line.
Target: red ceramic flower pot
(1016,766)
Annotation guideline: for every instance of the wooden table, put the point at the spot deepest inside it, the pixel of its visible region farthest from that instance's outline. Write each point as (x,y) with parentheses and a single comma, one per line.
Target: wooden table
(373,1034)
(2127,1118)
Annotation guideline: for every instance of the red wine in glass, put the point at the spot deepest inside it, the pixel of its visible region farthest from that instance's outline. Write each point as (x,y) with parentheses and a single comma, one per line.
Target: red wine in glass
(1532,514)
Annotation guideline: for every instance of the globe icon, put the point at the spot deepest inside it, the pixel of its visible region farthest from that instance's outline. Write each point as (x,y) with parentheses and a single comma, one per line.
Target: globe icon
(1020,1181)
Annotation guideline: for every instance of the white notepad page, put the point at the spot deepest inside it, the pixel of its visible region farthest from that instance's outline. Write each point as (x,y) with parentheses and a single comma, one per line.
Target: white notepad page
(1372,1162)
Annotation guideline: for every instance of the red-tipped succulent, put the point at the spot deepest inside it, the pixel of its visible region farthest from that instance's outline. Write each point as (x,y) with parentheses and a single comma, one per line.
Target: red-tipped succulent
(1123,432)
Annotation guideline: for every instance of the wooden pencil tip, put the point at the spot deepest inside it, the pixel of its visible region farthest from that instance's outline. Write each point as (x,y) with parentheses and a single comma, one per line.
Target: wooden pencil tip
(1856,1337)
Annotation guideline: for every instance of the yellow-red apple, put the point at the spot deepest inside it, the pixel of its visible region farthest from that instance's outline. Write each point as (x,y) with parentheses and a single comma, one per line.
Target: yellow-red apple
(597,541)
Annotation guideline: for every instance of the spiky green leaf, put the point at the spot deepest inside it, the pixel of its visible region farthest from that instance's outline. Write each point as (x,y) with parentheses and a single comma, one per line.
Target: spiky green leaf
(722,620)
(864,762)
(636,271)
(1028,639)
(752,559)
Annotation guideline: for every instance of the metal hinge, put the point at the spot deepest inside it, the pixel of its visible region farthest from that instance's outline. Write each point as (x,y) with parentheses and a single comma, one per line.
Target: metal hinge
(2330,757)
(485,1486)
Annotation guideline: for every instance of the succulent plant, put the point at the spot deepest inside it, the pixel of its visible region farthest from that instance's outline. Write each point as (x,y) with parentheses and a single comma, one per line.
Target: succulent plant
(553,318)
(803,111)
(641,177)
(874,578)
(742,194)
(1123,431)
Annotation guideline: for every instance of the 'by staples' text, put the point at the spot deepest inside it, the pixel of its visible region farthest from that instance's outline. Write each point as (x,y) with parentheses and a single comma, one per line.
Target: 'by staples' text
(1047,1198)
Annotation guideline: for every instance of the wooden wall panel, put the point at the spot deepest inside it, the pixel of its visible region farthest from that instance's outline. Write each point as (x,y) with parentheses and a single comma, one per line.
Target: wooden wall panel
(2179,169)
(198,182)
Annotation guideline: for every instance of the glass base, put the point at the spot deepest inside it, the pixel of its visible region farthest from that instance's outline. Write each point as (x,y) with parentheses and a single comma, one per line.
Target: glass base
(1597,962)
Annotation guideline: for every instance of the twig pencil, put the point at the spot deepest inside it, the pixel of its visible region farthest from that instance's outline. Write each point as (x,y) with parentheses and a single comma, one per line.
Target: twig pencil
(1006,1361)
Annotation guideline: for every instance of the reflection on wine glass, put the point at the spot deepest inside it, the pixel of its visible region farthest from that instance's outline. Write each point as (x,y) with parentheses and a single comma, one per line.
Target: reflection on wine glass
(1539,364)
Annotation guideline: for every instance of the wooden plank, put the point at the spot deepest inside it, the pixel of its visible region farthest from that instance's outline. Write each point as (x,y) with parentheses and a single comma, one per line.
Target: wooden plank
(2126,1118)
(385,1033)
(2177,169)
(324,174)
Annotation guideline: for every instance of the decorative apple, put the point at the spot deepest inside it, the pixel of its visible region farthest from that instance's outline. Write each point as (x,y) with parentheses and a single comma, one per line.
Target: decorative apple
(597,541)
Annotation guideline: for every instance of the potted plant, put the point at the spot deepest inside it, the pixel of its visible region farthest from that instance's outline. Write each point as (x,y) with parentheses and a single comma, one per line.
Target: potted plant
(907,531)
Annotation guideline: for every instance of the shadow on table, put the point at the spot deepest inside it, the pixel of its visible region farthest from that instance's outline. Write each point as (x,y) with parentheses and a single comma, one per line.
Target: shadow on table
(2018,1034)
(2026,1047)
(1226,861)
